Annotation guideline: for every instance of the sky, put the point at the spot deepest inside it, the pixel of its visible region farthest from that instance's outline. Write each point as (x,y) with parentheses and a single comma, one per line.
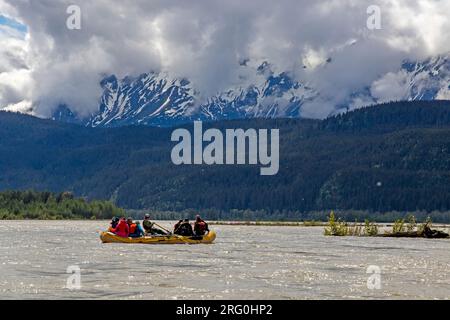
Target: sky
(43,63)
(13,24)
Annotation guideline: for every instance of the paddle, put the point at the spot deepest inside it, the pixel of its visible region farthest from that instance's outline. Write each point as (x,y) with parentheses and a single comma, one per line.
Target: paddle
(170,232)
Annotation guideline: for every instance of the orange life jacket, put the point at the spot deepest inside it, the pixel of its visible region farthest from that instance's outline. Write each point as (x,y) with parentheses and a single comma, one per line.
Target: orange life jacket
(133,227)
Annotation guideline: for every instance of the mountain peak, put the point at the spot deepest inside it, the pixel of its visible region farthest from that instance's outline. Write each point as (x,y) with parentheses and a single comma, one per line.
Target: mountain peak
(157,99)
(160,100)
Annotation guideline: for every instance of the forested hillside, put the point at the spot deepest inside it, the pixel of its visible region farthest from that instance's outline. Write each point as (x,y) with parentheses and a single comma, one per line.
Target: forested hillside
(382,158)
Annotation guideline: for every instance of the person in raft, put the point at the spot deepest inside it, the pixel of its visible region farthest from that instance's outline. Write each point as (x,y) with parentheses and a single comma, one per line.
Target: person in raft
(176,226)
(113,224)
(200,226)
(134,229)
(122,229)
(185,229)
(150,228)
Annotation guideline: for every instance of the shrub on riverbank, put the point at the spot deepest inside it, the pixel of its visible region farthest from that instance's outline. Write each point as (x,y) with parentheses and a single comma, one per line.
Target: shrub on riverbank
(336,227)
(401,228)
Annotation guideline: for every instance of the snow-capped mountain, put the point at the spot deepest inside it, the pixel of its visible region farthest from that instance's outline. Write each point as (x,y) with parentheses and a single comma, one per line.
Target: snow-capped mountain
(424,80)
(157,99)
(148,99)
(429,80)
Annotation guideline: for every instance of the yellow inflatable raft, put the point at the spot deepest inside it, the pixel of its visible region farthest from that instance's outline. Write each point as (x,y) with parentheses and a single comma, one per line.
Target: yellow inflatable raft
(108,237)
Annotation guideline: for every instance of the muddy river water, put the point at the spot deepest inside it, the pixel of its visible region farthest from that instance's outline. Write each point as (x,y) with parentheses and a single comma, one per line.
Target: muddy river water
(37,258)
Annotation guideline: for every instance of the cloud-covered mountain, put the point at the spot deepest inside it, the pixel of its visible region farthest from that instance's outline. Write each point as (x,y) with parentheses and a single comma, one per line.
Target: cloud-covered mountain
(44,64)
(157,99)
(424,80)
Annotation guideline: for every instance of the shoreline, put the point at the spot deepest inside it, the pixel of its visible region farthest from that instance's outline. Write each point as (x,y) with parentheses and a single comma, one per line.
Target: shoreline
(249,223)
(269,223)
(301,224)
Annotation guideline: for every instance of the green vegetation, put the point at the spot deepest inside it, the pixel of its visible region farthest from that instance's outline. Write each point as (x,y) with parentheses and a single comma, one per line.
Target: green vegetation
(401,228)
(427,224)
(370,229)
(16,205)
(409,224)
(412,224)
(342,228)
(376,163)
(336,227)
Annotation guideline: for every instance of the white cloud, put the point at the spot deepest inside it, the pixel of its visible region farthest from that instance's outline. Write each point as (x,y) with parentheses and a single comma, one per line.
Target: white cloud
(15,76)
(22,107)
(205,41)
(444,94)
(393,86)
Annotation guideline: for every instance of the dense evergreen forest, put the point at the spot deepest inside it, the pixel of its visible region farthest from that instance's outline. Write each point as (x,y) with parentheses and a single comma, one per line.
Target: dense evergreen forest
(386,158)
(47,206)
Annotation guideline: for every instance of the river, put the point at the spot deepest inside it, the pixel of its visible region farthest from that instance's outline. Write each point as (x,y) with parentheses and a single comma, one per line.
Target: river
(246,262)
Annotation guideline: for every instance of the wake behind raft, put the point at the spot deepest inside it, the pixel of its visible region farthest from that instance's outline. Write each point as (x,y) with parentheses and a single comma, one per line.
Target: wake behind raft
(109,237)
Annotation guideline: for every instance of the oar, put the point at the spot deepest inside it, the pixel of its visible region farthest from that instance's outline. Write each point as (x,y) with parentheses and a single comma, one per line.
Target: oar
(170,232)
(174,235)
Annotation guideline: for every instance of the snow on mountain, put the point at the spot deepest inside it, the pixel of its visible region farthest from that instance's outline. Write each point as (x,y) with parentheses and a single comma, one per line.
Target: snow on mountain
(425,80)
(157,99)
(148,99)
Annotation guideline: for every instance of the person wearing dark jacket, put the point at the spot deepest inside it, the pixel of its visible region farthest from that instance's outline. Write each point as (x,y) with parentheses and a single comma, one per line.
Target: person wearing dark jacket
(150,227)
(114,223)
(176,226)
(185,229)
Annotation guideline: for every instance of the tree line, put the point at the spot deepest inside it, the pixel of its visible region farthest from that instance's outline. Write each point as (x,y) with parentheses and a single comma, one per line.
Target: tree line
(53,206)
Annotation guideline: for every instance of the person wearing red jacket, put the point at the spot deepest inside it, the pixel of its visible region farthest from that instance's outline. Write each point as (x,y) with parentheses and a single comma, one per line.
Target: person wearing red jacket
(122,229)
(200,226)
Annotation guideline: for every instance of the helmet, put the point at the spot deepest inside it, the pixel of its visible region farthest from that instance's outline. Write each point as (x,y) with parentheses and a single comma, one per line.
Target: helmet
(147,216)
